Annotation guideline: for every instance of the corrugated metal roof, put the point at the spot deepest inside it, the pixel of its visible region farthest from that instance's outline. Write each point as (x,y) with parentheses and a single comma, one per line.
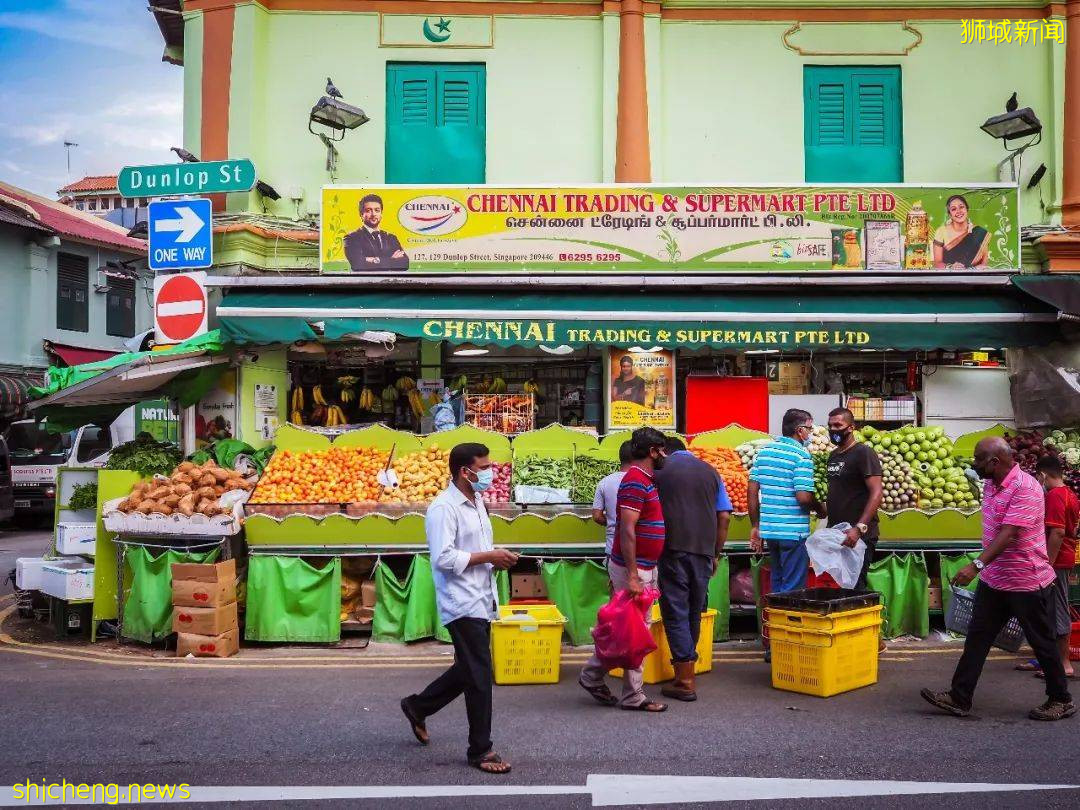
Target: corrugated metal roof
(75,224)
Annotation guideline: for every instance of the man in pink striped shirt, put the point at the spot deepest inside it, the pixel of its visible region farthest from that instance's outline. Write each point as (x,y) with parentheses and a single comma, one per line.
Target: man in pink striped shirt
(1016,579)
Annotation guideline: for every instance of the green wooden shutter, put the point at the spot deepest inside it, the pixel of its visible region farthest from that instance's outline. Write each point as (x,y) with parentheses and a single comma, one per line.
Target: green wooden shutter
(436,127)
(853,124)
(72,292)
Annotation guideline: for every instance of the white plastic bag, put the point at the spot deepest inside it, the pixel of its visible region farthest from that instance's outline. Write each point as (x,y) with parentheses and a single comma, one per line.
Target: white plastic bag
(829,555)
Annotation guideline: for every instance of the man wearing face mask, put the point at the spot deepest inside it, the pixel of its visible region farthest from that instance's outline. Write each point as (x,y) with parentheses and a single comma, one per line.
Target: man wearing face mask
(1015,579)
(781,498)
(854,474)
(463,561)
(639,540)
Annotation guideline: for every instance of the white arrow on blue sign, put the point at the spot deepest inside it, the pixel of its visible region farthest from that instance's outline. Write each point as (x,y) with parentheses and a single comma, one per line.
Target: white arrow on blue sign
(181,234)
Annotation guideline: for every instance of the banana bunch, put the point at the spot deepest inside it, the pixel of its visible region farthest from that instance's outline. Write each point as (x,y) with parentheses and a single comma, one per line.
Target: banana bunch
(297,399)
(460,383)
(389,395)
(530,387)
(368,400)
(296,417)
(404,384)
(347,395)
(498,386)
(317,395)
(416,403)
(335,416)
(348,381)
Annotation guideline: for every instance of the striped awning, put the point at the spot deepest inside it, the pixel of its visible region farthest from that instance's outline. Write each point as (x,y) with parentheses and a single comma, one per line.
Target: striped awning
(14,394)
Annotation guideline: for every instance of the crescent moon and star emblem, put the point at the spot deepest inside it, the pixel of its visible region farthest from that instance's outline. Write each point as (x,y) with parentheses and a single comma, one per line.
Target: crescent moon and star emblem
(440,32)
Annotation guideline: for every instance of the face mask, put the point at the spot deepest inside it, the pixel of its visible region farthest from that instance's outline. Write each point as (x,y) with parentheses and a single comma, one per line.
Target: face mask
(484,479)
(838,437)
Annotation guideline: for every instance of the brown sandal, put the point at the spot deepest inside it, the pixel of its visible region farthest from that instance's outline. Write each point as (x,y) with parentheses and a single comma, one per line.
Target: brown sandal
(495,764)
(648,706)
(419,730)
(601,694)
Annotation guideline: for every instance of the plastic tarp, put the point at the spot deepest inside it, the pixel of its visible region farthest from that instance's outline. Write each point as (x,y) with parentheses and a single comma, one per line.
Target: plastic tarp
(903,583)
(950,567)
(720,599)
(1044,382)
(148,606)
(579,589)
(406,610)
(289,599)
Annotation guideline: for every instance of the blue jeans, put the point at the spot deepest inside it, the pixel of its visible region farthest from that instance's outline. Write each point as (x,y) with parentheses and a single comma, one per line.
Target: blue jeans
(788,564)
(684,593)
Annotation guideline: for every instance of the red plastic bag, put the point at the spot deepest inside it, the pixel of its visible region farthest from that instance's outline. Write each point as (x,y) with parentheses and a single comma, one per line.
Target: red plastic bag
(621,634)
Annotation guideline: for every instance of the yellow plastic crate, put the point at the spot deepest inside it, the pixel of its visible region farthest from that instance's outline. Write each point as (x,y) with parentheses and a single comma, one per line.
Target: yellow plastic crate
(656,668)
(526,644)
(830,622)
(823,663)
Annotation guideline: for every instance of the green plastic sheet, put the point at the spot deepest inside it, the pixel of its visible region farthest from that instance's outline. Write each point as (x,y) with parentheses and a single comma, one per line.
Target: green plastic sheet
(950,566)
(148,606)
(289,599)
(720,599)
(406,610)
(578,589)
(903,583)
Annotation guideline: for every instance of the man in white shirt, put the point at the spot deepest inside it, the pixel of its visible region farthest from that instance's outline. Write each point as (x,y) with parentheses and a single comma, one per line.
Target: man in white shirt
(604,510)
(463,560)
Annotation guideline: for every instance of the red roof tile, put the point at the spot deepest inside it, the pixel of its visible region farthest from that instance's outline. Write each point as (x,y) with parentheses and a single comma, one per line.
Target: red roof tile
(100,182)
(73,224)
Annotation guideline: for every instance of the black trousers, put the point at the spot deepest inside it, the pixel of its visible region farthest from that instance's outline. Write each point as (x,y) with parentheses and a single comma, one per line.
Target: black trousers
(684,592)
(868,559)
(470,675)
(992,610)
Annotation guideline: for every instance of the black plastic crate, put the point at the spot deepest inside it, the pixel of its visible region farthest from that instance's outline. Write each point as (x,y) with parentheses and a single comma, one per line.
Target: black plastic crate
(823,600)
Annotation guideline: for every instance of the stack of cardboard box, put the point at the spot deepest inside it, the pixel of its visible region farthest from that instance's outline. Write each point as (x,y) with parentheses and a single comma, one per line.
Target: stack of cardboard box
(204,609)
(789,377)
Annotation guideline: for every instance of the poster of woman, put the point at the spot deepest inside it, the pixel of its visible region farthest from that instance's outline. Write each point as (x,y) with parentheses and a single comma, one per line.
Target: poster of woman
(641,390)
(960,244)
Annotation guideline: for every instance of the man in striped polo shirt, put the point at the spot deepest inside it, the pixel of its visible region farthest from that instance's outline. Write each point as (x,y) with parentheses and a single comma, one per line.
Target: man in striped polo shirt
(639,539)
(781,498)
(1015,579)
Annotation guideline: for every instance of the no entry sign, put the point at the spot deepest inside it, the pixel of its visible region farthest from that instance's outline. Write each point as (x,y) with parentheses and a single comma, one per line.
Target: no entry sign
(179,306)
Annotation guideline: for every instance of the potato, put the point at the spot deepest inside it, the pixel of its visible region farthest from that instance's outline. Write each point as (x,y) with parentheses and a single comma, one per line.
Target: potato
(164,509)
(181,489)
(222,475)
(124,505)
(172,500)
(146,507)
(141,487)
(185,467)
(186,505)
(208,480)
(158,492)
(211,510)
(205,492)
(219,491)
(180,478)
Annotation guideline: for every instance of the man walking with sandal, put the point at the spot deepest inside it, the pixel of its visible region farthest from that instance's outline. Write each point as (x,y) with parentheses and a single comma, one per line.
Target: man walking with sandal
(463,561)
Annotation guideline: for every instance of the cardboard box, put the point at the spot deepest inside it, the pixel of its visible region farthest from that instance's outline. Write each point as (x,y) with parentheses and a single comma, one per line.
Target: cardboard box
(220,646)
(367,593)
(527,586)
(191,593)
(364,615)
(205,572)
(935,596)
(205,621)
(790,387)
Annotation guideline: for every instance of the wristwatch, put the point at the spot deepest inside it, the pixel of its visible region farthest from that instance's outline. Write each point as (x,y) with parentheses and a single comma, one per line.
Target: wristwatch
(979,564)
(862,527)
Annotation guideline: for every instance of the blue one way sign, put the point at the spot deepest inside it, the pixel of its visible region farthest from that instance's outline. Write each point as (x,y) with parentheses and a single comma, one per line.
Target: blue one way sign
(181,235)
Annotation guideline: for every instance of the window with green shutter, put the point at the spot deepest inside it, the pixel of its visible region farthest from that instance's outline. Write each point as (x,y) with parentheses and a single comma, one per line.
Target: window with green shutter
(120,308)
(436,123)
(72,292)
(853,127)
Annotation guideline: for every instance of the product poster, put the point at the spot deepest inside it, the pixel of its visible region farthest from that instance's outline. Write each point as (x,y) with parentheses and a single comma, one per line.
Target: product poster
(215,415)
(640,389)
(665,229)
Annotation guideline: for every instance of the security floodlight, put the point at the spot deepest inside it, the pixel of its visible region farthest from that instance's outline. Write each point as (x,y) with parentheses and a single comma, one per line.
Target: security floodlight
(337,116)
(1011,125)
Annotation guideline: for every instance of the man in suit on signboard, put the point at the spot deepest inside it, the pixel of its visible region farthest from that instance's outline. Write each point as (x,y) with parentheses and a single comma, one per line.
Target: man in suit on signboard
(370,249)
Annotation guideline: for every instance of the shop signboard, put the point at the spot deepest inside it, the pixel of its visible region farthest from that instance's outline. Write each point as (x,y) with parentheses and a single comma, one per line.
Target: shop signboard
(640,391)
(665,229)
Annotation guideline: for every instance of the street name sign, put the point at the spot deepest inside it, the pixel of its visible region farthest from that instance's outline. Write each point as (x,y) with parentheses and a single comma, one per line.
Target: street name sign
(178,179)
(180,308)
(180,234)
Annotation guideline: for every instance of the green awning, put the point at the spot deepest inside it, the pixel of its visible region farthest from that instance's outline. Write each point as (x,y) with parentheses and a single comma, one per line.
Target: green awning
(817,320)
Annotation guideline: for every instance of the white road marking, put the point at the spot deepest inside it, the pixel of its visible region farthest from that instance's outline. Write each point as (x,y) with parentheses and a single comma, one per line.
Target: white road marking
(606,790)
(169,308)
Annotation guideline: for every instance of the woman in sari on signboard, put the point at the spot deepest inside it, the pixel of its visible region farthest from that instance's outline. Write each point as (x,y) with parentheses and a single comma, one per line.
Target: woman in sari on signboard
(959,244)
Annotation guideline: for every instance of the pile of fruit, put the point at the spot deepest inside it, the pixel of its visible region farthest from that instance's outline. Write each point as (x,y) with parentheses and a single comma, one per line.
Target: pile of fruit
(819,440)
(499,491)
(729,465)
(588,471)
(421,476)
(1029,447)
(821,476)
(748,451)
(192,488)
(337,475)
(934,471)
(899,490)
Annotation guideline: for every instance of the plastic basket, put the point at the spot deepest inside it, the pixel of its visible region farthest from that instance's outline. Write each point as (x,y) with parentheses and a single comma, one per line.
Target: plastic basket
(823,600)
(823,663)
(657,668)
(830,622)
(526,644)
(958,619)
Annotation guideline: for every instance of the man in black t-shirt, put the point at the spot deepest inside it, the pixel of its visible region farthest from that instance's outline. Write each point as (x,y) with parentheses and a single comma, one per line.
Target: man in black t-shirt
(854,474)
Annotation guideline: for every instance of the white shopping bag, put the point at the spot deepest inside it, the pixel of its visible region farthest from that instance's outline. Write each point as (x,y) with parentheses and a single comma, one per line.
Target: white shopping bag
(829,555)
